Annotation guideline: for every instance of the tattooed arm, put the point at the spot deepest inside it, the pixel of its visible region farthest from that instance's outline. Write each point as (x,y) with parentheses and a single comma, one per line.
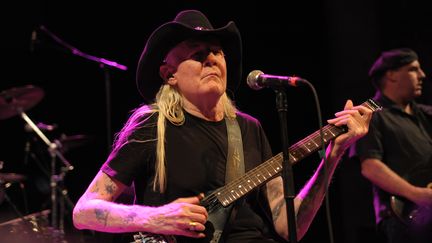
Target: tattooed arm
(309,200)
(306,203)
(275,195)
(96,210)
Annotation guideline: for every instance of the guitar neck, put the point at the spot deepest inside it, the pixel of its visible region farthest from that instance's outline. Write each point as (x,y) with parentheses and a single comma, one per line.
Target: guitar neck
(267,170)
(313,142)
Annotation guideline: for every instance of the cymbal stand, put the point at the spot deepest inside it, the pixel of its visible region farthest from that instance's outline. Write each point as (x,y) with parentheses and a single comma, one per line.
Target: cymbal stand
(55,180)
(64,195)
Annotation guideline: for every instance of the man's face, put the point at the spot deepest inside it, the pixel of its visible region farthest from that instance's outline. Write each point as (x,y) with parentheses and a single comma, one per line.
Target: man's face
(200,69)
(409,79)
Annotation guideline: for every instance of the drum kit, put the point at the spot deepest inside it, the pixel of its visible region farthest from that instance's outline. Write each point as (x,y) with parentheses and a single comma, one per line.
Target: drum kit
(15,102)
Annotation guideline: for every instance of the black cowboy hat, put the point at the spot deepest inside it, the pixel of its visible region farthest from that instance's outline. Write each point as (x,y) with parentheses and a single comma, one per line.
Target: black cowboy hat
(186,25)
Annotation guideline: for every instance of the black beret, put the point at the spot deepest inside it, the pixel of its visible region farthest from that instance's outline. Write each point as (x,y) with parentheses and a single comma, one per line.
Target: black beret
(390,60)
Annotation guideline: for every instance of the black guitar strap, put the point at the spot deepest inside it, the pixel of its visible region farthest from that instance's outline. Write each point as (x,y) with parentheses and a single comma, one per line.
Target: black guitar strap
(235,165)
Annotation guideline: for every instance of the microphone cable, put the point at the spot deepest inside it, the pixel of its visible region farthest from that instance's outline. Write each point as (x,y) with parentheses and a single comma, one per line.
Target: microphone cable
(322,155)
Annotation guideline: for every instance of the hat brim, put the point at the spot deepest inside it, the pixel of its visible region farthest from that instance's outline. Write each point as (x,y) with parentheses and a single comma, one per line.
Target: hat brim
(168,36)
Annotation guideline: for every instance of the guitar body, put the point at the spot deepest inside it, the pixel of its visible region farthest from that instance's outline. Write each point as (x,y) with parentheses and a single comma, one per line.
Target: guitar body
(217,219)
(408,212)
(216,224)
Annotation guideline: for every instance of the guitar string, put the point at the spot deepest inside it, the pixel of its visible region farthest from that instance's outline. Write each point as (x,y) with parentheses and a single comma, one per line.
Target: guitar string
(233,185)
(267,166)
(255,171)
(334,130)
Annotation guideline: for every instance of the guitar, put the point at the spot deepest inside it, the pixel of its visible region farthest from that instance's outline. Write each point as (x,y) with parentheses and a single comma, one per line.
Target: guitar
(408,212)
(218,202)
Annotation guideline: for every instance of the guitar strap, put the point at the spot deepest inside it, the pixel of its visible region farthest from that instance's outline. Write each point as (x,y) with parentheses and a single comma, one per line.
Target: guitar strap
(235,165)
(235,161)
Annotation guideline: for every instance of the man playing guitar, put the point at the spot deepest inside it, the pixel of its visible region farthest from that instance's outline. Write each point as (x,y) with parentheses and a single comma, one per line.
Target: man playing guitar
(399,140)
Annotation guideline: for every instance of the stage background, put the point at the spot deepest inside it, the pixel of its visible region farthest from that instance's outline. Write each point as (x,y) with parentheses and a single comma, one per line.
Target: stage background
(330,43)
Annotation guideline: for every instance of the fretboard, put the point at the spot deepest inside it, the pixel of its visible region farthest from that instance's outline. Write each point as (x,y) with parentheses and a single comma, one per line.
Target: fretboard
(270,168)
(267,170)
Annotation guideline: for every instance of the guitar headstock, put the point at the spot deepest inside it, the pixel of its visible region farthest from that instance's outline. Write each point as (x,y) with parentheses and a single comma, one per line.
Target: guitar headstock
(372,104)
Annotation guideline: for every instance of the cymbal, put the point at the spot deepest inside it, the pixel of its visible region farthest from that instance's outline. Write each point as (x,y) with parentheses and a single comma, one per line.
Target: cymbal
(17,99)
(11,177)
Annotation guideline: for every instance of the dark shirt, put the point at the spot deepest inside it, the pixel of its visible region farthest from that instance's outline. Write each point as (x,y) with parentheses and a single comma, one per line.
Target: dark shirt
(196,155)
(402,141)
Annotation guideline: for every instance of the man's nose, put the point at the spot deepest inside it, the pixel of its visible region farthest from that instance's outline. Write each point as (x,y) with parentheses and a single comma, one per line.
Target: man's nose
(210,59)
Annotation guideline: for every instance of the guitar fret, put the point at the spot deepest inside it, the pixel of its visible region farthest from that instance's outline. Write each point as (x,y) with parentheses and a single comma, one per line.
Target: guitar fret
(273,169)
(277,169)
(248,183)
(306,146)
(243,190)
(293,155)
(267,172)
(301,153)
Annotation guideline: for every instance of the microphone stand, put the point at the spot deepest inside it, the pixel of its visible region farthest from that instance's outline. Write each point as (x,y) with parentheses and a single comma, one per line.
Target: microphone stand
(287,173)
(104,63)
(108,104)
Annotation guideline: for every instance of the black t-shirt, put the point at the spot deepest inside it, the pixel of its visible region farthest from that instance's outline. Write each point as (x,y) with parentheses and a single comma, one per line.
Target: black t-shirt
(196,155)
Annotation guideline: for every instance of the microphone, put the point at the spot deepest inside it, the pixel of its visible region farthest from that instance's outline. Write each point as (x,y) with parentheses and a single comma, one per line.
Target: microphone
(258,80)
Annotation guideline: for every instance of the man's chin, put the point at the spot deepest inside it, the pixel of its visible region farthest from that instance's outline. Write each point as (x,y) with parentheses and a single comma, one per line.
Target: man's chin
(215,89)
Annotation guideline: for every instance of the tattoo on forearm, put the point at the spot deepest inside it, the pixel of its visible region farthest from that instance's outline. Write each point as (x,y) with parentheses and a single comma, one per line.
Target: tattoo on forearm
(109,188)
(274,193)
(277,209)
(275,190)
(102,215)
(130,218)
(315,190)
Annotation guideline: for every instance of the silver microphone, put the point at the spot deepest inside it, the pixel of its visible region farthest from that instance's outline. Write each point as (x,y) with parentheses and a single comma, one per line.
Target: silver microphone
(258,80)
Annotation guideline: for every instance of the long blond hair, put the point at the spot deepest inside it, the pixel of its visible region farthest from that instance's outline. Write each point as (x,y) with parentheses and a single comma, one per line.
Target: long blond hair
(168,106)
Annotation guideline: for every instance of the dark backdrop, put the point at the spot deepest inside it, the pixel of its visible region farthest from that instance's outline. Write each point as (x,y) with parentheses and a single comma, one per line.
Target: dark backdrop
(330,43)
